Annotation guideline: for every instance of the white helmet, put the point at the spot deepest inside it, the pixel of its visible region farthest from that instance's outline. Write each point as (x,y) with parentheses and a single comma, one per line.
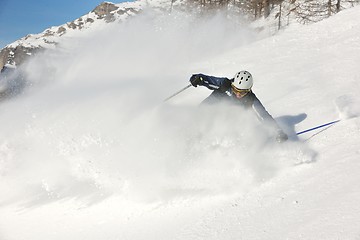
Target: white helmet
(243,80)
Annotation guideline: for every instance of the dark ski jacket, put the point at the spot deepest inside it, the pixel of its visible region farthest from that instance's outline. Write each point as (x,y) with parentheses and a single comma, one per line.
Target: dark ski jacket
(223,91)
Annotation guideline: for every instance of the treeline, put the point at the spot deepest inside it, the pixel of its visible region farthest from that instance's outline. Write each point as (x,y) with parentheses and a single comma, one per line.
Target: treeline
(305,11)
(312,11)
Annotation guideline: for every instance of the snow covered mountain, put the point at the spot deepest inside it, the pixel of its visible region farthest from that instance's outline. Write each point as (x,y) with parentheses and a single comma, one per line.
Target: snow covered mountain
(107,12)
(88,149)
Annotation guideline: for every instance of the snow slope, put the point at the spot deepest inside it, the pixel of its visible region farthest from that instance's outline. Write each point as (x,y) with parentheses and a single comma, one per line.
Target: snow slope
(53,35)
(89,151)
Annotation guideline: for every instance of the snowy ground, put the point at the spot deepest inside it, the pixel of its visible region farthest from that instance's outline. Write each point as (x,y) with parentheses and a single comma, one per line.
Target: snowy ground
(89,151)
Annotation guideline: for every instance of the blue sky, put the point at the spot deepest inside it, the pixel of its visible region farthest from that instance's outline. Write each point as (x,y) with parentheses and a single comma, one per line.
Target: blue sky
(21,17)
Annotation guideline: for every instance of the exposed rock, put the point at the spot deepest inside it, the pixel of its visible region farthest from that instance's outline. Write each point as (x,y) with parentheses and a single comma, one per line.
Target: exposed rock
(28,36)
(48,33)
(21,54)
(17,55)
(3,57)
(61,31)
(71,25)
(105,9)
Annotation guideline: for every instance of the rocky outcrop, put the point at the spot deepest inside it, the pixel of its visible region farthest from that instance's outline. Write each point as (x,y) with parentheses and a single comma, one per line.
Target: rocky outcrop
(106,11)
(16,56)
(109,11)
(3,57)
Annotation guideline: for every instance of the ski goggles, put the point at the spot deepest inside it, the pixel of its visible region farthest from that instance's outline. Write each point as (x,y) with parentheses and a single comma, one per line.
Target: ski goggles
(241,92)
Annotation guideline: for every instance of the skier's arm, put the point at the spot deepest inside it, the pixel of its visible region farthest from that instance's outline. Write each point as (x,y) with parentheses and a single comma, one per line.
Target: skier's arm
(265,117)
(261,112)
(211,82)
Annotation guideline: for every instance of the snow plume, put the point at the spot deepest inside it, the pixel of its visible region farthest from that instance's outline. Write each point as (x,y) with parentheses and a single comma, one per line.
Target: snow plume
(348,106)
(92,123)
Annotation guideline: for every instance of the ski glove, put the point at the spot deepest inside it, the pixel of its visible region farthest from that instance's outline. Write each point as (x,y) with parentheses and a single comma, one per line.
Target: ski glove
(196,80)
(281,136)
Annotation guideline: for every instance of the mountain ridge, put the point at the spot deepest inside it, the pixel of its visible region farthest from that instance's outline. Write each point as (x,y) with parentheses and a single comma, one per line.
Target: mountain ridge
(107,12)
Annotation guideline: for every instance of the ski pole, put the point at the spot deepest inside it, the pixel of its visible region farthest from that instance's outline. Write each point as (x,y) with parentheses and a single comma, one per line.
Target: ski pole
(178,92)
(317,127)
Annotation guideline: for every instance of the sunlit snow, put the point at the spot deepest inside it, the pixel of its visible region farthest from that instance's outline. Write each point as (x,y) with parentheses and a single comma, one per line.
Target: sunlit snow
(89,150)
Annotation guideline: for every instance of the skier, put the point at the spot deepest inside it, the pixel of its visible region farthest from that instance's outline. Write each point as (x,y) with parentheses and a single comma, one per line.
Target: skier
(237,90)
